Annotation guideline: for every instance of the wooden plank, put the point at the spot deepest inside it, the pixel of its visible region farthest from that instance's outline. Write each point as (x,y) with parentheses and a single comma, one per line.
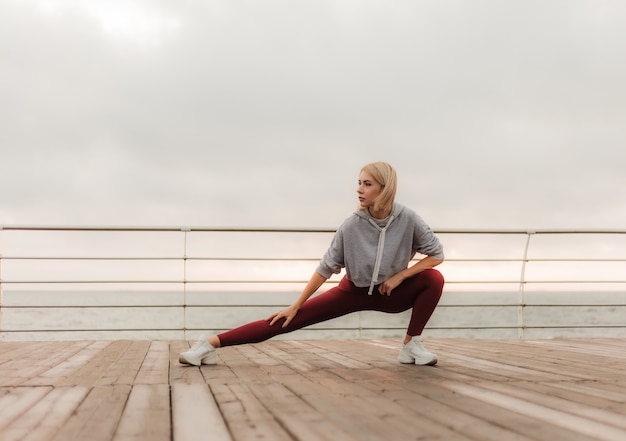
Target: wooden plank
(32,359)
(182,373)
(456,420)
(378,408)
(303,421)
(598,361)
(155,366)
(363,412)
(44,419)
(14,352)
(246,416)
(611,392)
(488,364)
(124,369)
(256,356)
(546,415)
(593,393)
(220,373)
(539,396)
(289,358)
(492,414)
(364,351)
(245,369)
(91,372)
(60,373)
(501,369)
(146,416)
(544,360)
(314,354)
(345,403)
(16,401)
(195,415)
(97,416)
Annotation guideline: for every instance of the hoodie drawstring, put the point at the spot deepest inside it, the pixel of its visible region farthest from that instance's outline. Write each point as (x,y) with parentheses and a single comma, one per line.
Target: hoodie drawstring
(379,251)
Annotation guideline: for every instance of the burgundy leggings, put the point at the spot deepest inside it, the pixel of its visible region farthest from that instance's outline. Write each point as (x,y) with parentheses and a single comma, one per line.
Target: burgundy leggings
(420,292)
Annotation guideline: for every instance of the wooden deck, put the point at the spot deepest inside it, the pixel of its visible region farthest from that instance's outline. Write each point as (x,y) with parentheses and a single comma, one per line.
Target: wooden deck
(314,390)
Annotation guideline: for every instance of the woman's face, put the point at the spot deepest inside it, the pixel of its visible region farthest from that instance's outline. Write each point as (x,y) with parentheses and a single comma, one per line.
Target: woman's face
(368,189)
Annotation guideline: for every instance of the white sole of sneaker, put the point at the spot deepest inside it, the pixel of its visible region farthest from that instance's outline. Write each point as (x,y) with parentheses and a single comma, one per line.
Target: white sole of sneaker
(184,359)
(406,359)
(426,361)
(210,358)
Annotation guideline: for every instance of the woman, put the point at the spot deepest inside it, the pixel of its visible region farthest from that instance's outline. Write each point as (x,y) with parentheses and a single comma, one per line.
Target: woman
(375,245)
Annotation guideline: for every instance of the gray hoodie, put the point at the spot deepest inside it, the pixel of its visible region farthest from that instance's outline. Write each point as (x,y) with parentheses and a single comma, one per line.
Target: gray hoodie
(372,250)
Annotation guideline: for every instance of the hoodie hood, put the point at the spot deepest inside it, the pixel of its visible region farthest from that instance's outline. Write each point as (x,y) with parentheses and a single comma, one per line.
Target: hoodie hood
(396,210)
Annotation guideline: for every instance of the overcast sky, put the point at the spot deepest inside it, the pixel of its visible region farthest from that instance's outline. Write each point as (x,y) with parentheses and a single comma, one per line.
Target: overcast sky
(496,114)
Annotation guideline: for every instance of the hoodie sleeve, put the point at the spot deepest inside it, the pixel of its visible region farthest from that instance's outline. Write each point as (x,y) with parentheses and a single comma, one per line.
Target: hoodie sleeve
(333,260)
(424,240)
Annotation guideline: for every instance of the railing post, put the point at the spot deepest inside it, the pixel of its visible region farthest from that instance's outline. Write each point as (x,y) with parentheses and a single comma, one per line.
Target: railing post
(1,309)
(185,231)
(522,290)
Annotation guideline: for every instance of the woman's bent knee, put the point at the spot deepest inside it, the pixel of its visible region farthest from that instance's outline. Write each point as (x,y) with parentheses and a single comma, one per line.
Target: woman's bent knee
(433,277)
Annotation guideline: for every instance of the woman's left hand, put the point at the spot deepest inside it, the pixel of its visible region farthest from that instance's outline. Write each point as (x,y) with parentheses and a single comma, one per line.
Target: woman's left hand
(390,284)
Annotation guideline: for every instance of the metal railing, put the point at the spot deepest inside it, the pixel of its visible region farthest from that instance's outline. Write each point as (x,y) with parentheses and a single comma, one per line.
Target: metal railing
(57,262)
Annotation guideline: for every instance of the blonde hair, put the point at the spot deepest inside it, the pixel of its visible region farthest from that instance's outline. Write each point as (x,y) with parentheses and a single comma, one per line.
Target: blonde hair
(386,176)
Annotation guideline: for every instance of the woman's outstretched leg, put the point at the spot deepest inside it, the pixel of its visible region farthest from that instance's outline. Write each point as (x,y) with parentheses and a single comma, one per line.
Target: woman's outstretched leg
(335,302)
(340,300)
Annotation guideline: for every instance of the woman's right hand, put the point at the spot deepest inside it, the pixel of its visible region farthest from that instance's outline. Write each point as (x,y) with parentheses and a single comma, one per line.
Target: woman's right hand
(288,314)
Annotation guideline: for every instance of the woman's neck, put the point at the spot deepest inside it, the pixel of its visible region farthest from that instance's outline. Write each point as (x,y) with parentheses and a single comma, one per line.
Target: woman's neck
(379,214)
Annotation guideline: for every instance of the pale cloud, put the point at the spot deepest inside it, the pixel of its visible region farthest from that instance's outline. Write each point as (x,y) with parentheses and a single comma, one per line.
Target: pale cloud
(496,114)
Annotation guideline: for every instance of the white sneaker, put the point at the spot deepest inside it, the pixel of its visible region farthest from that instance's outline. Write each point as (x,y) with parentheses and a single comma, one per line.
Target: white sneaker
(414,352)
(200,353)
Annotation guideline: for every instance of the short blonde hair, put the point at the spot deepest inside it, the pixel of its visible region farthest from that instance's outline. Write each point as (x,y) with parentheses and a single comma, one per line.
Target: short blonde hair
(386,176)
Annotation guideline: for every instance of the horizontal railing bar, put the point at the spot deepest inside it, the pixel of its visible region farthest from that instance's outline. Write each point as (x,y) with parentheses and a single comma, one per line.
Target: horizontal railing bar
(70,282)
(282,305)
(165,282)
(94,330)
(147,282)
(294,230)
(168,229)
(226,259)
(316,329)
(88,258)
(296,259)
(289,259)
(201,329)
(530,232)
